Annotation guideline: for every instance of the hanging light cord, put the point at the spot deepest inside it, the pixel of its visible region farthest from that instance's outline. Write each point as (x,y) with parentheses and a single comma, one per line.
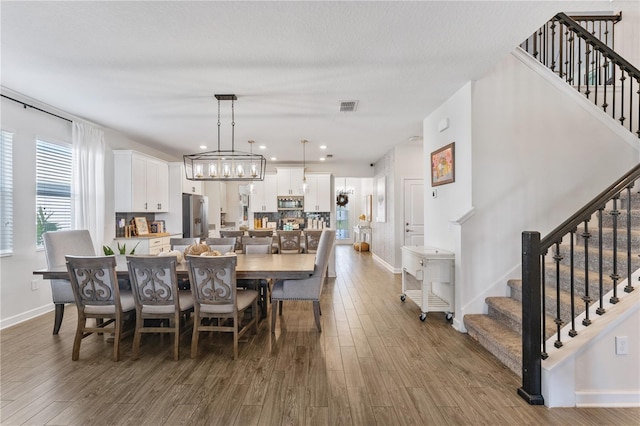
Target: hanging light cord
(218,125)
(233,126)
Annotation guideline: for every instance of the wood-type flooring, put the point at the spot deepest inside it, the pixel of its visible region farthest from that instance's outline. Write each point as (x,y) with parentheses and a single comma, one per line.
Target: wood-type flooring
(374,363)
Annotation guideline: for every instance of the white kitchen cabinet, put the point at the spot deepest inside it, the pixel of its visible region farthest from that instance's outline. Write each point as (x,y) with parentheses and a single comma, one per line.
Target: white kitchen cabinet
(290,180)
(141,183)
(223,197)
(144,245)
(318,197)
(265,195)
(190,186)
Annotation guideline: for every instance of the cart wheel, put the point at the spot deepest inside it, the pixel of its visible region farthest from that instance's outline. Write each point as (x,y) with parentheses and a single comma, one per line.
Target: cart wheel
(403,297)
(449,316)
(423,316)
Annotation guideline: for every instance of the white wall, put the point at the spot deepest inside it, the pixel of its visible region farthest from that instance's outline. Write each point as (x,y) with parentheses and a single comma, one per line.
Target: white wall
(531,159)
(17,301)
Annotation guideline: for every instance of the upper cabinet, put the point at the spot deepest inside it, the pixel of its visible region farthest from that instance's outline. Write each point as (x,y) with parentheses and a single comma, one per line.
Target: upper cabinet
(190,186)
(290,180)
(265,195)
(318,197)
(141,183)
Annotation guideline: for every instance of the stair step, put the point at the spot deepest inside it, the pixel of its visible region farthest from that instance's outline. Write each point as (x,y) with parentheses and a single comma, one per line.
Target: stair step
(504,343)
(508,311)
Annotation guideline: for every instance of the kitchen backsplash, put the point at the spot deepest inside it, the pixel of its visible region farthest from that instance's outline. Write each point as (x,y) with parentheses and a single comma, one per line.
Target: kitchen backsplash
(123,219)
(278,217)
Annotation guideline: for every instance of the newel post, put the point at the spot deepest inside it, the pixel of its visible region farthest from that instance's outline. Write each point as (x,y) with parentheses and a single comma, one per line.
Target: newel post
(531,389)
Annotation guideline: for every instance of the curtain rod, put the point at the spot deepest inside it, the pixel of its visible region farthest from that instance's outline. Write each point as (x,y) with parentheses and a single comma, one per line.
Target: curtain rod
(25,105)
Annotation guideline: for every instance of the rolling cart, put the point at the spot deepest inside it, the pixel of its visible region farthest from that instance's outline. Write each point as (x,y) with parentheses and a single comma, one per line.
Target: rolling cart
(428,279)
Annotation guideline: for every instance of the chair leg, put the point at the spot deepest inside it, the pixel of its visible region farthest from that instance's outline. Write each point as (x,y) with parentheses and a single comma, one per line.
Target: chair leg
(82,322)
(176,338)
(280,306)
(274,308)
(194,336)
(137,336)
(116,339)
(316,313)
(255,315)
(235,337)
(58,320)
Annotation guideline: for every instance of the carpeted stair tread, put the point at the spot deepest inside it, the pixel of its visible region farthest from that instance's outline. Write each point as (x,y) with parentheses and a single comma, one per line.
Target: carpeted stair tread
(508,311)
(504,343)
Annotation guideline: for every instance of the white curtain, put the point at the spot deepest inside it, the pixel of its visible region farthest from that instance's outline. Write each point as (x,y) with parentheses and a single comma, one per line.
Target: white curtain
(88,181)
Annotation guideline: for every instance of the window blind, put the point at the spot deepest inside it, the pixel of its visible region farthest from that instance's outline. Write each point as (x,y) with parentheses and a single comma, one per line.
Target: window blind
(6,193)
(53,187)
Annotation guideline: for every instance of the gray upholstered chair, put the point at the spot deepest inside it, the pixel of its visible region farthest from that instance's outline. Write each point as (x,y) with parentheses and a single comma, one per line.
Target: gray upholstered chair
(260,232)
(95,287)
(216,297)
(307,288)
(311,240)
(234,234)
(57,244)
(155,290)
(289,242)
(257,245)
(182,243)
(223,245)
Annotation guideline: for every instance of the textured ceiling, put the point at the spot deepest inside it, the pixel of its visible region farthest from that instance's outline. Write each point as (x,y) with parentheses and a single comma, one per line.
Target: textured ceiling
(150,69)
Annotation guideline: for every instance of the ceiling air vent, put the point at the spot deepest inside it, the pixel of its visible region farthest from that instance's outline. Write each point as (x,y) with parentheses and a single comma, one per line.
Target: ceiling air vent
(348,106)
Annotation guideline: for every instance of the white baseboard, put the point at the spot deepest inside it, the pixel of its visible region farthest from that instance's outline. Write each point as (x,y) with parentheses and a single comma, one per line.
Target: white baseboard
(613,399)
(25,316)
(387,266)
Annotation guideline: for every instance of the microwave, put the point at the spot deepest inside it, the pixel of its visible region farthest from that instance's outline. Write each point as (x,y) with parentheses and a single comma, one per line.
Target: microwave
(291,203)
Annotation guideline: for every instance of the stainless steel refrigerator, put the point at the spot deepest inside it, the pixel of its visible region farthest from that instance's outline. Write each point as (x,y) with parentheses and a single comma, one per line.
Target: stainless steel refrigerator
(194,216)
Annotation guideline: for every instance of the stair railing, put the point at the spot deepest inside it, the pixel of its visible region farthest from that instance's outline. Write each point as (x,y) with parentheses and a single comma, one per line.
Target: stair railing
(591,66)
(534,295)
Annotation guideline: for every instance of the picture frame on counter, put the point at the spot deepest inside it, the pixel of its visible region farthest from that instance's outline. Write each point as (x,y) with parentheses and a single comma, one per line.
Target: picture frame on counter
(157,227)
(142,227)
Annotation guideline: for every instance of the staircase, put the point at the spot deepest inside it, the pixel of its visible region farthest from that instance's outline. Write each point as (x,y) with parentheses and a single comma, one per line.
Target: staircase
(500,330)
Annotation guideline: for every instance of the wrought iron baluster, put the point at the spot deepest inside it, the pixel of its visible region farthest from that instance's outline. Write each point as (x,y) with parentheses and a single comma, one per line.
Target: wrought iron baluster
(558,320)
(573,331)
(600,309)
(614,275)
(629,288)
(587,53)
(553,46)
(622,79)
(587,300)
(543,313)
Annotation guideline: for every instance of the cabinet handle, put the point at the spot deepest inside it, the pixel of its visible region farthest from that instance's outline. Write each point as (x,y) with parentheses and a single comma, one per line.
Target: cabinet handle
(145,206)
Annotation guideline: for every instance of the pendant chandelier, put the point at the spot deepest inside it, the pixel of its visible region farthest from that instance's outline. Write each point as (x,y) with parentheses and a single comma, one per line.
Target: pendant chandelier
(225,165)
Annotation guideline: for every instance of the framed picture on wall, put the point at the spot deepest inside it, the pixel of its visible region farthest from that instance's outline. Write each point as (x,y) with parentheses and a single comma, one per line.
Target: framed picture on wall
(443,165)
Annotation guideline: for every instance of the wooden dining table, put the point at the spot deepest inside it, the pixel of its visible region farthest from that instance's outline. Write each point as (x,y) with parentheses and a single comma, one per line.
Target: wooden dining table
(249,266)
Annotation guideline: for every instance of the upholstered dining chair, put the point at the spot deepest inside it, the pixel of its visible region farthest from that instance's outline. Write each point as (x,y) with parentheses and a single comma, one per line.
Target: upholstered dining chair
(311,240)
(223,245)
(155,290)
(257,245)
(260,233)
(95,288)
(234,234)
(216,297)
(57,244)
(181,244)
(307,288)
(289,242)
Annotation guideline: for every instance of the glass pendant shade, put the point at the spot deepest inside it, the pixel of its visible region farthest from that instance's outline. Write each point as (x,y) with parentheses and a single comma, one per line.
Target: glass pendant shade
(225,165)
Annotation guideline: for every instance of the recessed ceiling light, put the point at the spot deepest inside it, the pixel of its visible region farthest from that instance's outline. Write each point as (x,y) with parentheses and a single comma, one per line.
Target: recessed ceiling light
(203,147)
(321,158)
(323,147)
(263,147)
(274,159)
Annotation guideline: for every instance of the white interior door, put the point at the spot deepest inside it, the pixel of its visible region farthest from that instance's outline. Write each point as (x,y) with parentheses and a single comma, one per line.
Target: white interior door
(413,212)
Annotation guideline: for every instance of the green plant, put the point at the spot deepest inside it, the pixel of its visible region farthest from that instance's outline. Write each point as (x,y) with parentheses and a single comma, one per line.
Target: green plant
(108,251)
(123,249)
(43,225)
